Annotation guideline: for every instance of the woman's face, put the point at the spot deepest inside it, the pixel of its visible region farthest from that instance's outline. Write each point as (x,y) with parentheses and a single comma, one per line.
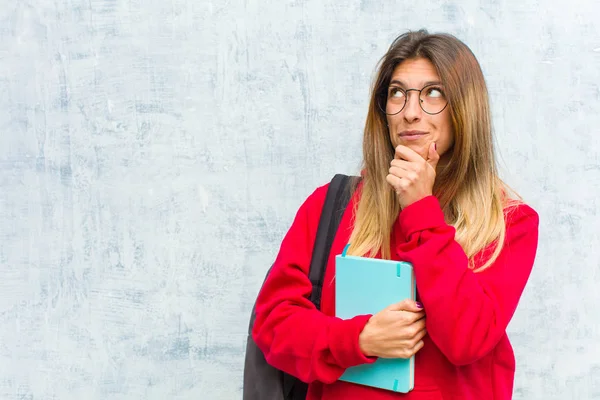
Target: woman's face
(413,127)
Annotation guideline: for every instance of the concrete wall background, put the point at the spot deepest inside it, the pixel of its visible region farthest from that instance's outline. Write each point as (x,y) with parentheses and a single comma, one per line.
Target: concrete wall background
(153,154)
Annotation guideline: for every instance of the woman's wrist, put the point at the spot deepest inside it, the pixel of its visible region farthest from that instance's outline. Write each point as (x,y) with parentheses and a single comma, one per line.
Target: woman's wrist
(363,342)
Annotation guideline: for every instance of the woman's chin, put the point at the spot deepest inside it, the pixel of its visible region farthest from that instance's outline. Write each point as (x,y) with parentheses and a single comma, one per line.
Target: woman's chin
(421,146)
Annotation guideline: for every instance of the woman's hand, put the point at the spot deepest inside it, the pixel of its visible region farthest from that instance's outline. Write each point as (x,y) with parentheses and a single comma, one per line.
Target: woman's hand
(395,332)
(411,176)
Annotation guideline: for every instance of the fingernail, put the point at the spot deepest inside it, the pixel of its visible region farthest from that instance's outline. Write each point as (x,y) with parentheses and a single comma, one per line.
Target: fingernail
(435,146)
(419,304)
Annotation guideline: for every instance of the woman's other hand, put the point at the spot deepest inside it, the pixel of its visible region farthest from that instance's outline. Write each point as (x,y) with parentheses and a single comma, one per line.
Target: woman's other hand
(395,332)
(411,176)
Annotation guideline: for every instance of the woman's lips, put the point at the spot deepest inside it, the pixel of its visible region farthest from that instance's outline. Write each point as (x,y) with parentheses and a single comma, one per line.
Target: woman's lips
(412,135)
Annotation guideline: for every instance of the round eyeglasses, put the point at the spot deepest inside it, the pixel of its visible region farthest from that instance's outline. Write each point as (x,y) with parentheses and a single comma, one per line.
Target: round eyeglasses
(432,99)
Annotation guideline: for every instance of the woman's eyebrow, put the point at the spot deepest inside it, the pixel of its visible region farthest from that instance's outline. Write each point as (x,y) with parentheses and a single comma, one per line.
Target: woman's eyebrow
(400,83)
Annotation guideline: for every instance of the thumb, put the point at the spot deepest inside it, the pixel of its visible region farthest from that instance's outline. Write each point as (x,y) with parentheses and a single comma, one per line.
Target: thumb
(406,305)
(432,156)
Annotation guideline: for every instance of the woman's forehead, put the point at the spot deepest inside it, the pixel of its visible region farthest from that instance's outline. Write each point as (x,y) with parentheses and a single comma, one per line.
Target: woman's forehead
(417,72)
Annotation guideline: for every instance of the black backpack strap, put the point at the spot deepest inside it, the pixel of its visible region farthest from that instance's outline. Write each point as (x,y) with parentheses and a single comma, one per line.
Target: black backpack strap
(338,196)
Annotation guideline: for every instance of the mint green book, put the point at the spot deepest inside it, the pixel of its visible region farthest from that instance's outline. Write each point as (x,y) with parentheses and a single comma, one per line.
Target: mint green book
(366,286)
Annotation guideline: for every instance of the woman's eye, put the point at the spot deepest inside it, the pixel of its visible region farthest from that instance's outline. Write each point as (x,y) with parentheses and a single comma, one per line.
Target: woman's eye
(394,92)
(435,92)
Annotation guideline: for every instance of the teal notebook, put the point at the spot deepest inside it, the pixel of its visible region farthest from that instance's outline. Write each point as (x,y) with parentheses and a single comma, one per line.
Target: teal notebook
(367,286)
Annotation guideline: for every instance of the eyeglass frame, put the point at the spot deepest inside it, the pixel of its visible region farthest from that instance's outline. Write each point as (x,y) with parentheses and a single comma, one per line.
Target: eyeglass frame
(406,99)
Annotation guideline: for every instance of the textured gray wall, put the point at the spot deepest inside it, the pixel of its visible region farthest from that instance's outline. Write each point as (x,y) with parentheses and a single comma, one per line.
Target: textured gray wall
(153,154)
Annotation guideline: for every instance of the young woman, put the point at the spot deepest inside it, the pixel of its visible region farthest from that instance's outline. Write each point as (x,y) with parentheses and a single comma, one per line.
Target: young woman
(430,195)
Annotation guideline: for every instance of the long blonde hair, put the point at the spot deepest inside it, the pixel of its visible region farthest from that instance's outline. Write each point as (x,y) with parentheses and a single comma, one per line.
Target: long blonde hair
(467,186)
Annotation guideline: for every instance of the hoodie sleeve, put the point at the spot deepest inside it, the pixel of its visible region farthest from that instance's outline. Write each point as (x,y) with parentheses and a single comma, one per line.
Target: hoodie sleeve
(294,336)
(467,312)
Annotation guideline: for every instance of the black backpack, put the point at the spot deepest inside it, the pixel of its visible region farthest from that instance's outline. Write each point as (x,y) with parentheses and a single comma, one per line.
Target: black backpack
(261,380)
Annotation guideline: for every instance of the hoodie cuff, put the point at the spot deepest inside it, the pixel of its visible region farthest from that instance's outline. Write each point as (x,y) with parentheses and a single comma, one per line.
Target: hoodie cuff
(421,215)
(343,339)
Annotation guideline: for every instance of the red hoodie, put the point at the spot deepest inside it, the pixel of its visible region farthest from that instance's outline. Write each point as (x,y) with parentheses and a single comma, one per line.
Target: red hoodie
(466,355)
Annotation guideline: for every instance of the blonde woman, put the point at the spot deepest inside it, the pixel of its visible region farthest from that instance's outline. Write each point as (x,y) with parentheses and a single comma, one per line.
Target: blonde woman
(430,195)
